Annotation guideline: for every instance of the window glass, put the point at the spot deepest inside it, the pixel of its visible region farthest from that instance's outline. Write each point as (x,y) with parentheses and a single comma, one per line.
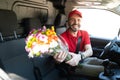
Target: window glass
(100,23)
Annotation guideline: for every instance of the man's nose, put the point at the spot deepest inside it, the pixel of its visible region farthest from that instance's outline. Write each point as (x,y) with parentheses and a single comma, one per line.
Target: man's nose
(76,22)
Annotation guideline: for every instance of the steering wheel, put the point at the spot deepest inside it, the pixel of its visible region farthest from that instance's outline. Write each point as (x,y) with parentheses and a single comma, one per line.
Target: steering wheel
(105,54)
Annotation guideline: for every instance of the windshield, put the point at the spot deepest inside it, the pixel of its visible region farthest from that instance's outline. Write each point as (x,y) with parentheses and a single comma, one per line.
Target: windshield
(100,23)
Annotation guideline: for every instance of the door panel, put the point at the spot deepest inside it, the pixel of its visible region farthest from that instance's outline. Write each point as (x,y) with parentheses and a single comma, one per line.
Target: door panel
(98,45)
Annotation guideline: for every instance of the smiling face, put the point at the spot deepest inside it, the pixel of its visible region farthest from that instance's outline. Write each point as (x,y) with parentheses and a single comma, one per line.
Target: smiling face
(74,22)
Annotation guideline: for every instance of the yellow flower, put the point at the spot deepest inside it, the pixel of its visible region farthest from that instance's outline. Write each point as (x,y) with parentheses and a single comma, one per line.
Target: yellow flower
(29,44)
(53,29)
(48,32)
(37,54)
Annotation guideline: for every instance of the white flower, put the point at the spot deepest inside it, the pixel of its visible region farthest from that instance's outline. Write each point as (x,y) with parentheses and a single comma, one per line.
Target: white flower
(41,48)
(30,54)
(53,44)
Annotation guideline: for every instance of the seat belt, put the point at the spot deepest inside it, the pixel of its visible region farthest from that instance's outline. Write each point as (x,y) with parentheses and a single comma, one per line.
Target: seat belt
(78,45)
(36,71)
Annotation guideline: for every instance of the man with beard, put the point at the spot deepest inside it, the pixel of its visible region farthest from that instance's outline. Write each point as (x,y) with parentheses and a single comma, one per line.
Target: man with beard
(91,66)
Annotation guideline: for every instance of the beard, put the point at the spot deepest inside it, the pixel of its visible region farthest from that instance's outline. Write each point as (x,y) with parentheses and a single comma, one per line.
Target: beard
(74,29)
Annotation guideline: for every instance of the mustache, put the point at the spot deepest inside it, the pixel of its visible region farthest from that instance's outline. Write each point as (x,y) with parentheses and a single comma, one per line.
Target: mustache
(74,24)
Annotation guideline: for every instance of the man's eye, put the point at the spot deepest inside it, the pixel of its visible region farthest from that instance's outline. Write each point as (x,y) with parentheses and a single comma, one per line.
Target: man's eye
(71,19)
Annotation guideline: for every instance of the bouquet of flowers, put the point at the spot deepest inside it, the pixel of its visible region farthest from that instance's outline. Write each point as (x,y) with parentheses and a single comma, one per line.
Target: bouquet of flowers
(44,41)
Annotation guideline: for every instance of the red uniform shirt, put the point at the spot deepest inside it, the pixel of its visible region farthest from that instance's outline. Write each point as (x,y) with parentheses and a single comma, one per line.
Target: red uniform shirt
(72,41)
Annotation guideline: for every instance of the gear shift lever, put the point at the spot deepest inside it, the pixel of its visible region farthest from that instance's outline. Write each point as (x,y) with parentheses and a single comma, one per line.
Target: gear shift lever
(107,68)
(109,73)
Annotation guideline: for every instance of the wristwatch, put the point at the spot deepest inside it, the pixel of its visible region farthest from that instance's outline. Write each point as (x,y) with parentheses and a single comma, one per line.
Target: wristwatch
(82,55)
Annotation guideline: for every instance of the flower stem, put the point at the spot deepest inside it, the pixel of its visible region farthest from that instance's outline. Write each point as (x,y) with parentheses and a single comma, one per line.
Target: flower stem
(68,57)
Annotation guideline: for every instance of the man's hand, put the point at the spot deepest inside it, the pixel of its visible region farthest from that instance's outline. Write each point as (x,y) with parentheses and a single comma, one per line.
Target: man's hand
(75,59)
(60,57)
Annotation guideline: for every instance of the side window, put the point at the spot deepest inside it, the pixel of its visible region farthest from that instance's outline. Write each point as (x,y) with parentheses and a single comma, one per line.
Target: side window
(100,23)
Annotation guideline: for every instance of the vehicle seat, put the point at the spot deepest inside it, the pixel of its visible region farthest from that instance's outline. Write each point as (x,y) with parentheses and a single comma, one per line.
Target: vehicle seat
(13,57)
(60,23)
(8,25)
(15,60)
(44,64)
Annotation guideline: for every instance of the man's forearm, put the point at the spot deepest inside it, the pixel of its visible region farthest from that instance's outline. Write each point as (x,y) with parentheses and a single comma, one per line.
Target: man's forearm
(88,51)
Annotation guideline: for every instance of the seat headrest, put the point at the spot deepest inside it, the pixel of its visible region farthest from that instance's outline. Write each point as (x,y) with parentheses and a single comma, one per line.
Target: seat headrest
(61,29)
(60,20)
(8,22)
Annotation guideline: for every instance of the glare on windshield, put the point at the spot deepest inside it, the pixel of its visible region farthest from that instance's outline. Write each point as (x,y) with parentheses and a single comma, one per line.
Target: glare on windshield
(100,23)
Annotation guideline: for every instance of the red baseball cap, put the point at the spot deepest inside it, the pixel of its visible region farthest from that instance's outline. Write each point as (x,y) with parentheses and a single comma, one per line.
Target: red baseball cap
(75,12)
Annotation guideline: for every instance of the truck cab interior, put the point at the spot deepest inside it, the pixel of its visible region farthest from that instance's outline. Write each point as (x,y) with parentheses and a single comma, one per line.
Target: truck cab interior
(18,17)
